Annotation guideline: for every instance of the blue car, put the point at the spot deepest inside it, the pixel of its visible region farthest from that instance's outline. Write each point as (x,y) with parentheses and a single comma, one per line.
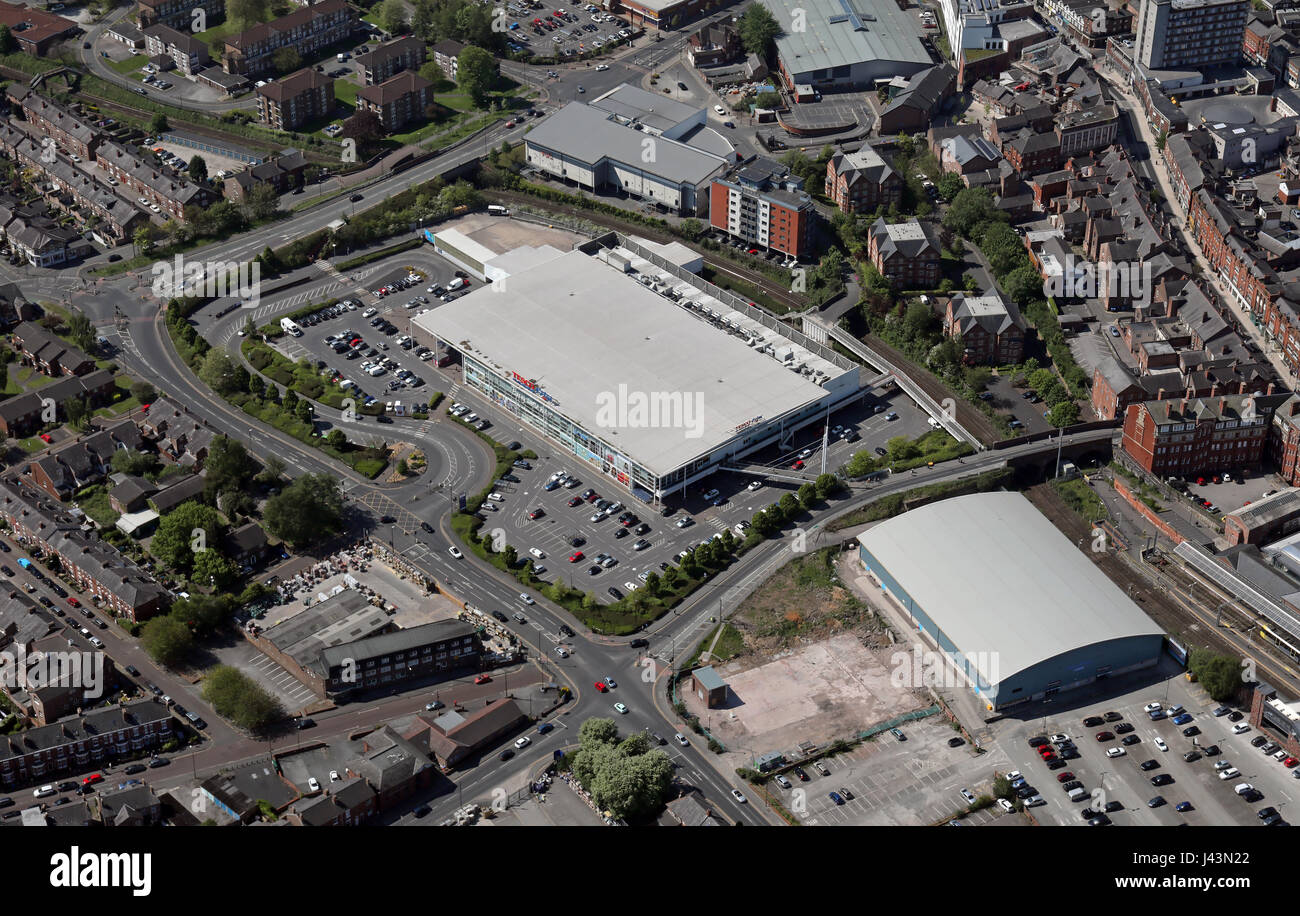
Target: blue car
(1182,720)
(545,727)
(836,797)
(1183,806)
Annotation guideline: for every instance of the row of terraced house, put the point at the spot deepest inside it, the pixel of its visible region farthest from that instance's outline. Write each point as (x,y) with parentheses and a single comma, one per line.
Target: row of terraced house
(308,30)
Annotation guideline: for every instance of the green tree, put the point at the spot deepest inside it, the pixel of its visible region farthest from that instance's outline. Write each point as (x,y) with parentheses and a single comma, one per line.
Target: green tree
(144,392)
(1220,675)
(758,29)
(1023,285)
(167,640)
(309,509)
(185,531)
(827,485)
(248,12)
(198,169)
(476,72)
(971,207)
(272,471)
(142,238)
(807,495)
(237,697)
(290,401)
(124,462)
(949,185)
(1065,413)
(263,202)
(81,331)
(286,60)
(256,387)
(7,43)
(222,372)
(789,505)
(228,465)
(597,731)
(392,17)
(212,567)
(336,439)
(77,413)
(672,577)
(158,124)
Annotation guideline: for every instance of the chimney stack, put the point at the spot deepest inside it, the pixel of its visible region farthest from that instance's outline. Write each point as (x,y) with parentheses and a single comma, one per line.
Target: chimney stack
(1269,390)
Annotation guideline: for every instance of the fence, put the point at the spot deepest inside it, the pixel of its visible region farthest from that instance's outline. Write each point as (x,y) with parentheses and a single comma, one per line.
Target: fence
(885,726)
(207,146)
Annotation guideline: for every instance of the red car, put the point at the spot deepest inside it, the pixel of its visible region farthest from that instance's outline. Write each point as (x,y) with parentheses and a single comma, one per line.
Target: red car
(797,466)
(92,779)
(74,602)
(483,679)
(753,251)
(1065,777)
(602,686)
(1105,736)
(45,437)
(536,514)
(575,556)
(576,501)
(1290,762)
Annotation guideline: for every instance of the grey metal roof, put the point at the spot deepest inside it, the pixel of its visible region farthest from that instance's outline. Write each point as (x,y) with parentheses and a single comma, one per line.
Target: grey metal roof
(635,104)
(1002,582)
(1282,504)
(400,640)
(588,135)
(841,33)
(580,329)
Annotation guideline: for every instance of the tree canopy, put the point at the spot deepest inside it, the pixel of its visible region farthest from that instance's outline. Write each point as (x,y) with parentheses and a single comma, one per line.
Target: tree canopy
(308,510)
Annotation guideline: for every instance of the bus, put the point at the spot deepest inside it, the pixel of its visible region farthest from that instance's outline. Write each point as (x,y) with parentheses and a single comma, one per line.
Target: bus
(497,210)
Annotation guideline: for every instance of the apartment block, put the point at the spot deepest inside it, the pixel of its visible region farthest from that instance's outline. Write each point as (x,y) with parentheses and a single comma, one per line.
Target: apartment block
(289,103)
(308,30)
(907,254)
(187,53)
(397,101)
(990,329)
(862,181)
(390,59)
(763,203)
(1190,436)
(446,54)
(179,14)
(1189,34)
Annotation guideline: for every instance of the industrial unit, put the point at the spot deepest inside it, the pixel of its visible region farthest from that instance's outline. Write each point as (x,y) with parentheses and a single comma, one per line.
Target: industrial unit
(1010,602)
(640,370)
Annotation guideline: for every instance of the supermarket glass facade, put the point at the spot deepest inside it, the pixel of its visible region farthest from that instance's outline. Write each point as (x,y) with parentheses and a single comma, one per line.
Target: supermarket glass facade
(532,406)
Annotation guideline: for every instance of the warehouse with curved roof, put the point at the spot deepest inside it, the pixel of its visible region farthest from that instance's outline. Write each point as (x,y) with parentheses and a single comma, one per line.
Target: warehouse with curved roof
(1015,607)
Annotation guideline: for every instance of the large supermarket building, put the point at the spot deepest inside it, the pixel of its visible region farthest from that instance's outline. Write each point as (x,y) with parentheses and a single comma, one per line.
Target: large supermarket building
(1012,604)
(643,372)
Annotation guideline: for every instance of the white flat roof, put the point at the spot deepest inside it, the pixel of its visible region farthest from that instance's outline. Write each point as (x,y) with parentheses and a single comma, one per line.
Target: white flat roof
(579,329)
(998,577)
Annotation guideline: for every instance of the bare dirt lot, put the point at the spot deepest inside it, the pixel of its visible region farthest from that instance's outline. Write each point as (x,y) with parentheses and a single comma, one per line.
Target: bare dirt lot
(830,689)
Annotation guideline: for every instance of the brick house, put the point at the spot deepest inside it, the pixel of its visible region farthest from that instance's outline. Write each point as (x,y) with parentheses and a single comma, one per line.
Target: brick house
(990,328)
(862,181)
(390,59)
(307,29)
(48,352)
(291,102)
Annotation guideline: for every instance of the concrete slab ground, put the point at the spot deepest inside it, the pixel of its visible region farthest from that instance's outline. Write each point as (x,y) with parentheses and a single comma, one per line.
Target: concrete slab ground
(502,234)
(560,808)
(829,690)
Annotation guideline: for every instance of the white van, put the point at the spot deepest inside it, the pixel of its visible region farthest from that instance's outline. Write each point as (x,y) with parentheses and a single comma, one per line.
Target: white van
(1078,794)
(456,284)
(289,327)
(44,792)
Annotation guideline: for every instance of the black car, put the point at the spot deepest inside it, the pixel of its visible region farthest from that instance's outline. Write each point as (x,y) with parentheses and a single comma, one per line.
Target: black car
(1069,753)
(422,811)
(1258,741)
(643,528)
(1156,802)
(356,197)
(1192,756)
(639,643)
(1026,792)
(881,452)
(303,723)
(1037,740)
(46,601)
(1123,728)
(6,570)
(1055,764)
(798,771)
(594,571)
(386,520)
(577,540)
(514,446)
(1150,765)
(1191,731)
(67,786)
(154,688)
(133,670)
(6,801)
(1163,779)
(383,418)
(1093,721)
(658,738)
(1252,796)
(426,527)
(1112,806)
(1234,716)
(1112,717)
(956,741)
(615,593)
(564,628)
(135,768)
(1130,740)
(620,533)
(1212,751)
(500,616)
(507,754)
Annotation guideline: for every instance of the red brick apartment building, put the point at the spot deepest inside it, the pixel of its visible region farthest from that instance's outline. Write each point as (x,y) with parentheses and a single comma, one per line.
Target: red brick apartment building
(907,253)
(307,29)
(300,97)
(397,101)
(1190,436)
(762,203)
(862,181)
